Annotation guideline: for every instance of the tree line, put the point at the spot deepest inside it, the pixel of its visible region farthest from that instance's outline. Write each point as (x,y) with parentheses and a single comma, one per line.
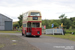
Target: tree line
(68,23)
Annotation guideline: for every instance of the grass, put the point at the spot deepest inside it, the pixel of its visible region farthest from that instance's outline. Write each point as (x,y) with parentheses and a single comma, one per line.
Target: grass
(70,30)
(1,45)
(14,43)
(10,31)
(66,36)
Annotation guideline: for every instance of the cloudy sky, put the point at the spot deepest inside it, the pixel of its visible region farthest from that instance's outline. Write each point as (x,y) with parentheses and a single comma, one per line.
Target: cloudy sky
(50,9)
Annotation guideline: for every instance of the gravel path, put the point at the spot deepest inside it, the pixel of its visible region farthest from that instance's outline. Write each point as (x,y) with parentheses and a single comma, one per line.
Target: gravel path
(12,42)
(43,43)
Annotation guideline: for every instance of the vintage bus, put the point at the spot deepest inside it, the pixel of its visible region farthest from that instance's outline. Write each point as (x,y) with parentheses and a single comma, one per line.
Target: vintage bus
(32,23)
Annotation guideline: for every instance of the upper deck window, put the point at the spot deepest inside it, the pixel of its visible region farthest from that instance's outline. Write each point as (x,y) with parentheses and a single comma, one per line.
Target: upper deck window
(35,14)
(25,15)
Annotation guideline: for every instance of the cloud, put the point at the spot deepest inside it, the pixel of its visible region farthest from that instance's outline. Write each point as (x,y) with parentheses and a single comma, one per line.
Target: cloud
(50,9)
(34,2)
(19,2)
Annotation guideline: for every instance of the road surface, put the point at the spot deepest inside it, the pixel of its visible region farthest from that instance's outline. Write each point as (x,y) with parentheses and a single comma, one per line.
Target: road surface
(48,43)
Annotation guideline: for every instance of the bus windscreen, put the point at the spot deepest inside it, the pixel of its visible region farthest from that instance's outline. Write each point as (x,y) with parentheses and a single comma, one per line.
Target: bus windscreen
(35,24)
(35,14)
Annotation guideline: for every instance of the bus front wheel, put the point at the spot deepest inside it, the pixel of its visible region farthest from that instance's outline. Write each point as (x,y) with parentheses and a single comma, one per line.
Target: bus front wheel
(25,34)
(22,34)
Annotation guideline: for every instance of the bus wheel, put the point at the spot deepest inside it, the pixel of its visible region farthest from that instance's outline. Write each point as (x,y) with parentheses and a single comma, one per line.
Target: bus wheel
(22,34)
(25,34)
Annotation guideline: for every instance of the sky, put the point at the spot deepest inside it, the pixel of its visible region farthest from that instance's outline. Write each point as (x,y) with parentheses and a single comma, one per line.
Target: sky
(50,9)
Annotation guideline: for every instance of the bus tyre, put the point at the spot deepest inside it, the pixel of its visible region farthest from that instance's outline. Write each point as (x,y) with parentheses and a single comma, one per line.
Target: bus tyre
(22,34)
(25,34)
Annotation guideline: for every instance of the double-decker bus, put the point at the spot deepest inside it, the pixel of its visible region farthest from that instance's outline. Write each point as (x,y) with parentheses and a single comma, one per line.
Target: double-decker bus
(32,23)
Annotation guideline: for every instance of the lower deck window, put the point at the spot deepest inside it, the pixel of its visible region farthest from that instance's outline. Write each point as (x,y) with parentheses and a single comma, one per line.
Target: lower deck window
(24,25)
(35,24)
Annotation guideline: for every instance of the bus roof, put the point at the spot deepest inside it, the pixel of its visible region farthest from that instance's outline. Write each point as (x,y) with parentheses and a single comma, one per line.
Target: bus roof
(33,11)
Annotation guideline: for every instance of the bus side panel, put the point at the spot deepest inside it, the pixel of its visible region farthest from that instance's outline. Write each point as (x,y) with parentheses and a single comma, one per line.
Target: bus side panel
(36,30)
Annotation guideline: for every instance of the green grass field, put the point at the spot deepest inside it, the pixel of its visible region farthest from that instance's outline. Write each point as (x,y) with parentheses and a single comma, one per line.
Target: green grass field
(70,30)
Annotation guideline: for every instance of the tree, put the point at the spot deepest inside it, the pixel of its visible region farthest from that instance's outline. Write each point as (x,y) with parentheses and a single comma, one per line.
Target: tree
(62,16)
(66,22)
(15,25)
(46,22)
(73,22)
(56,24)
(49,23)
(72,19)
(20,20)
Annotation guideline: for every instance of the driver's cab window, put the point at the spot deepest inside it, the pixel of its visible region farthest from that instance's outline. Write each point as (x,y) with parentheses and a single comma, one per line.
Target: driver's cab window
(35,24)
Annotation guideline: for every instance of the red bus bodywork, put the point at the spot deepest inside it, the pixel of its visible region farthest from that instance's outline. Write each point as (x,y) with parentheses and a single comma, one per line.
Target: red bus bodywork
(32,31)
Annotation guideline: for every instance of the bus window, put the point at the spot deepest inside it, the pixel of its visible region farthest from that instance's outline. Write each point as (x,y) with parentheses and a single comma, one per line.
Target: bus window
(28,24)
(35,24)
(24,25)
(35,14)
(27,14)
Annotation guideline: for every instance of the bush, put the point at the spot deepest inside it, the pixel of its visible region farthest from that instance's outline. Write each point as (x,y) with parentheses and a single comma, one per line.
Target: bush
(15,25)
